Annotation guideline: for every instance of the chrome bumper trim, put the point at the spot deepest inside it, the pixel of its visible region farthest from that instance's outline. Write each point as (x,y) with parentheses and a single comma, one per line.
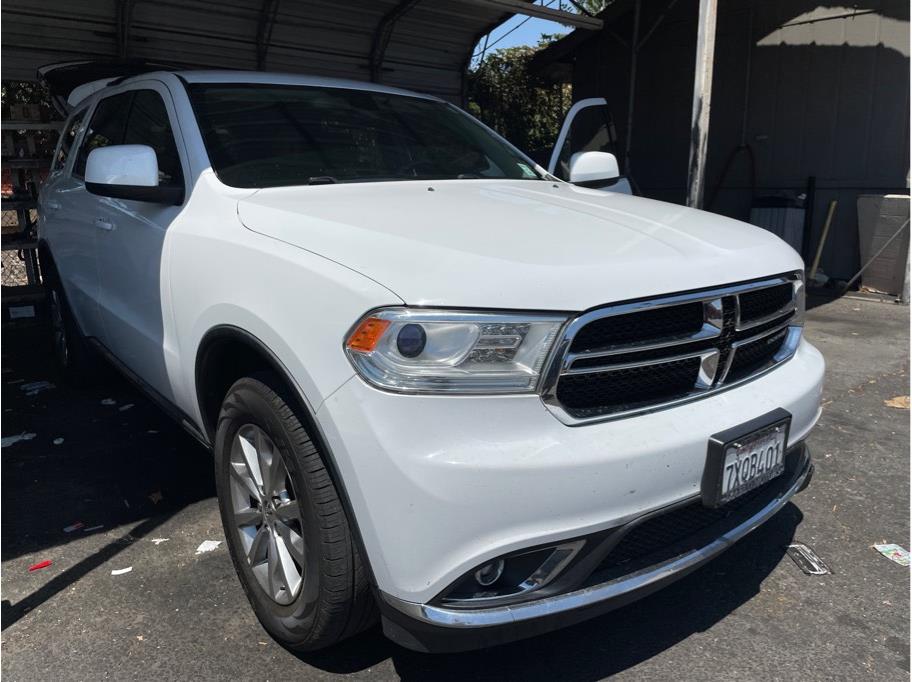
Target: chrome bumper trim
(579,599)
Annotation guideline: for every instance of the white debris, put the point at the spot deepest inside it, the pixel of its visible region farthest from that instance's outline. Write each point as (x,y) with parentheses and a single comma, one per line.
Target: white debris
(58,441)
(12,440)
(89,530)
(36,387)
(151,431)
(158,541)
(121,571)
(126,407)
(108,401)
(208,546)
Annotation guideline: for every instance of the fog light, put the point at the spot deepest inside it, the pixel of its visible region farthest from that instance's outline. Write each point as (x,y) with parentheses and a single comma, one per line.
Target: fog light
(411,340)
(490,573)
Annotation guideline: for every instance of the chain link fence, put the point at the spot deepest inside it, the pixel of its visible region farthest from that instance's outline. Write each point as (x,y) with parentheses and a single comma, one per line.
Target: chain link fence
(14,272)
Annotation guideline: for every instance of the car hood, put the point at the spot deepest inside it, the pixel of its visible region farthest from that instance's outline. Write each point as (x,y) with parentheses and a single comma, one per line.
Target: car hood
(515,244)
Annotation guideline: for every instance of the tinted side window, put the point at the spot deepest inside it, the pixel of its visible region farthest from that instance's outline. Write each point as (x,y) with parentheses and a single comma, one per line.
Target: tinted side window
(66,140)
(106,128)
(148,124)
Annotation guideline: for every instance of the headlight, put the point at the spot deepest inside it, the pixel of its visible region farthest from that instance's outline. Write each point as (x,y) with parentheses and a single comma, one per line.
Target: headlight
(442,351)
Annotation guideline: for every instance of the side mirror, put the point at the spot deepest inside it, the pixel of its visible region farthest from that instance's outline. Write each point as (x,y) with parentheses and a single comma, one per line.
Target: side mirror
(128,171)
(593,167)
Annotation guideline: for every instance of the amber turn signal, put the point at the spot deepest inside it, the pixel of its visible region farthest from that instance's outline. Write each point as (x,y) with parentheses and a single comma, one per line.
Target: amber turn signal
(367,334)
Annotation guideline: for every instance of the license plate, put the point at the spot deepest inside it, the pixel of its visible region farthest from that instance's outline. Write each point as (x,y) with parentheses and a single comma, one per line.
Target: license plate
(745,458)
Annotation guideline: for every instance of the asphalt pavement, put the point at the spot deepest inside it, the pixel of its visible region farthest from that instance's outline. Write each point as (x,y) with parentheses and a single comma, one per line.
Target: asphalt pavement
(143,491)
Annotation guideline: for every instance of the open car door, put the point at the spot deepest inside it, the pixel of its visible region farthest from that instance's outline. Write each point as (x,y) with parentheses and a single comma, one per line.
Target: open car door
(588,127)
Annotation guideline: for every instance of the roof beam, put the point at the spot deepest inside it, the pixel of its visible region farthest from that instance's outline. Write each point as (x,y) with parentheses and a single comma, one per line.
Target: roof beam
(383,33)
(124,10)
(268,10)
(532,10)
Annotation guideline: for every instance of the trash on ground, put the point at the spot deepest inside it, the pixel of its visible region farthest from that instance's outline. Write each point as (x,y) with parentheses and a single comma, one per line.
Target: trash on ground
(139,637)
(156,497)
(90,529)
(807,560)
(894,553)
(36,387)
(108,401)
(12,440)
(75,526)
(151,431)
(58,441)
(126,504)
(121,571)
(124,408)
(40,565)
(208,546)
(158,541)
(900,402)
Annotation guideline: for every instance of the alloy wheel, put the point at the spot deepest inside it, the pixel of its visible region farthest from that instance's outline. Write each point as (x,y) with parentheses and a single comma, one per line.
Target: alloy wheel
(266,513)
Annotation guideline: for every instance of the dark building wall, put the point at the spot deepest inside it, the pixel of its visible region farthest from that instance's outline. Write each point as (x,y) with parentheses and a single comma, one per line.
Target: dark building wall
(811,91)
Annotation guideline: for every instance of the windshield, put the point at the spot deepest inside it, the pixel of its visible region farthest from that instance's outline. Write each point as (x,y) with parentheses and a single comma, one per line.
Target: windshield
(274,135)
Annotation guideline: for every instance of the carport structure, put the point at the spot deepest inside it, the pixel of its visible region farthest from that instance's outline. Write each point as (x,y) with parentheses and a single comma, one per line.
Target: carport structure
(423,45)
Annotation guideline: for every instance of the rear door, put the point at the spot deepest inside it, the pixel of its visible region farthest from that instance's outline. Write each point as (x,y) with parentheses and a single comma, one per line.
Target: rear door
(62,224)
(588,127)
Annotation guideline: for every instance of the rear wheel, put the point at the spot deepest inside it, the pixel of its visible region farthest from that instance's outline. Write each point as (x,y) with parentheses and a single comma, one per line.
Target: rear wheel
(75,360)
(288,534)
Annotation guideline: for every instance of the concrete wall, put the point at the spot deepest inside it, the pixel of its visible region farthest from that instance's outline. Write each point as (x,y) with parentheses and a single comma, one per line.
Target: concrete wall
(813,87)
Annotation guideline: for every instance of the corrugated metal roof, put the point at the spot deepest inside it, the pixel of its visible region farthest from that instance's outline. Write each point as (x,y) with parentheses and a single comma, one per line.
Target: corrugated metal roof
(428,50)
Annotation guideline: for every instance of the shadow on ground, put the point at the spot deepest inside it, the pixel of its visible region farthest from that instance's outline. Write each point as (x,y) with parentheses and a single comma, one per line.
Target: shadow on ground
(103,456)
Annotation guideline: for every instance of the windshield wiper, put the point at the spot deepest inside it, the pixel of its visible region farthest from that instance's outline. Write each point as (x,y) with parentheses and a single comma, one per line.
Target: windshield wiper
(322,180)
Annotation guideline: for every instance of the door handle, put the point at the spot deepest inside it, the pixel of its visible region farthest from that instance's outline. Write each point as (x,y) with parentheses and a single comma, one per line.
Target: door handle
(103,224)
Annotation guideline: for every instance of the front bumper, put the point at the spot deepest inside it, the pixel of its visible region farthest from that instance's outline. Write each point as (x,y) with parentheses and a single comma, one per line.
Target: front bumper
(426,627)
(438,485)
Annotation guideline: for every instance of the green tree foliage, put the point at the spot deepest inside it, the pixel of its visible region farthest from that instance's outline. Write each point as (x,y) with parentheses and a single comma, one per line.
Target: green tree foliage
(593,6)
(27,92)
(523,107)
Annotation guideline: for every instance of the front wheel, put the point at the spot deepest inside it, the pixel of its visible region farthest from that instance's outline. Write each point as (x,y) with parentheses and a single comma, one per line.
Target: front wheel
(287,531)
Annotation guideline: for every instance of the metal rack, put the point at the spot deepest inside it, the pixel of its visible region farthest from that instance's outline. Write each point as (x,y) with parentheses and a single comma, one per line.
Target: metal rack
(21,276)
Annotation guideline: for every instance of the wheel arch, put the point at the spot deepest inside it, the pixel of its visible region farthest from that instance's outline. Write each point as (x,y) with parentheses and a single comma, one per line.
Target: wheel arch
(249,354)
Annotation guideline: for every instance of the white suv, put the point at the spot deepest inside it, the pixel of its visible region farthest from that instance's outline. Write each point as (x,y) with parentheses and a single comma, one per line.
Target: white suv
(441,385)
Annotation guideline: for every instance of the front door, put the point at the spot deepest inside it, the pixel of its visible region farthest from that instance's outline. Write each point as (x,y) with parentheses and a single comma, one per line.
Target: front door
(134,295)
(588,127)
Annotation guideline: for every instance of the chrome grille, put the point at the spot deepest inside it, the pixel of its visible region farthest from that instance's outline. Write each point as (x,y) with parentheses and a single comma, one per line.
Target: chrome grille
(633,357)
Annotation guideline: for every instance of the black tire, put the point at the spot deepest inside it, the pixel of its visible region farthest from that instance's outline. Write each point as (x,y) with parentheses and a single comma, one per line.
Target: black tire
(75,360)
(335,600)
